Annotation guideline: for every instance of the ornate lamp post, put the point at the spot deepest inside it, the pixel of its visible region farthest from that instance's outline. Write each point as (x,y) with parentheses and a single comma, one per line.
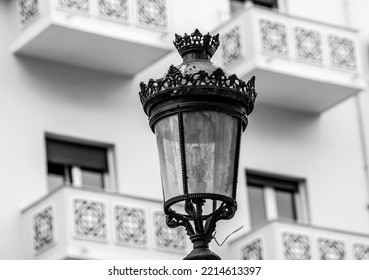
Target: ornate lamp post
(198,114)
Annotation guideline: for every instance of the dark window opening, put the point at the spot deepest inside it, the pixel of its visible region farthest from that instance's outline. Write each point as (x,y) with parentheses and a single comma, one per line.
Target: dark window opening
(76,164)
(58,175)
(286,207)
(271,197)
(272,4)
(256,204)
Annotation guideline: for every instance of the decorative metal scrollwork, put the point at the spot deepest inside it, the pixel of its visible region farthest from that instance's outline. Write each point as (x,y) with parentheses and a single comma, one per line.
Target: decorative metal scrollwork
(187,43)
(231,46)
(114,9)
(252,251)
(152,13)
(43,229)
(28,10)
(243,91)
(342,52)
(76,5)
(130,225)
(296,247)
(201,225)
(308,45)
(89,219)
(331,249)
(273,37)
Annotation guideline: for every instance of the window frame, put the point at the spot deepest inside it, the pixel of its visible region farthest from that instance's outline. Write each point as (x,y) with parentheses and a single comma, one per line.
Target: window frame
(74,178)
(269,183)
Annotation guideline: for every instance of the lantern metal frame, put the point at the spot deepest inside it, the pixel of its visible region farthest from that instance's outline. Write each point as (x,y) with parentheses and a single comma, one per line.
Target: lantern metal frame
(208,89)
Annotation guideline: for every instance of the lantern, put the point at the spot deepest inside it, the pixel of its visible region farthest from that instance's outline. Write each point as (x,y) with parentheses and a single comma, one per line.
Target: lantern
(198,113)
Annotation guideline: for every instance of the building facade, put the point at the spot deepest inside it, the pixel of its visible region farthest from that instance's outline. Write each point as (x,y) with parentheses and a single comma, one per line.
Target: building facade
(80,169)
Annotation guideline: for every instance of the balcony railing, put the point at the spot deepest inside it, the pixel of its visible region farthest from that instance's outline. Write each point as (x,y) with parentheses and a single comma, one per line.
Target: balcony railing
(145,13)
(121,36)
(299,64)
(289,241)
(75,223)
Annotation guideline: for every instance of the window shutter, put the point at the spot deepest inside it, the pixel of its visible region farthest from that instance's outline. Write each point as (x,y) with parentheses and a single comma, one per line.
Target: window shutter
(278,183)
(85,156)
(266,3)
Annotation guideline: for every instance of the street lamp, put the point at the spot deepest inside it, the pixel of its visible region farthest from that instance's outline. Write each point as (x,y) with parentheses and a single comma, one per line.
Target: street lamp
(198,113)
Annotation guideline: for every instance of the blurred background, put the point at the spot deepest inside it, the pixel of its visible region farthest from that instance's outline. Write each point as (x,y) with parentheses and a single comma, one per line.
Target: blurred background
(79,163)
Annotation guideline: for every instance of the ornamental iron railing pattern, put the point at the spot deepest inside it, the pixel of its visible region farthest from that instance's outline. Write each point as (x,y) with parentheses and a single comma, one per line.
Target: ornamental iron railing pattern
(131,228)
(28,10)
(231,46)
(75,5)
(331,249)
(274,37)
(89,219)
(342,52)
(296,246)
(308,45)
(43,229)
(168,238)
(252,251)
(130,225)
(90,222)
(114,9)
(294,41)
(361,251)
(152,13)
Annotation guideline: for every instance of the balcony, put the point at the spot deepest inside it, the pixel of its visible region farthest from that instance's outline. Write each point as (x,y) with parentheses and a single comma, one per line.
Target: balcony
(76,223)
(280,240)
(123,36)
(299,64)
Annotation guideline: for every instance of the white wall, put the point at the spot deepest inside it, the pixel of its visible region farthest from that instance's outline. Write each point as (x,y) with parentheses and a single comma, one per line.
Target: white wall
(358,11)
(204,15)
(9,198)
(330,11)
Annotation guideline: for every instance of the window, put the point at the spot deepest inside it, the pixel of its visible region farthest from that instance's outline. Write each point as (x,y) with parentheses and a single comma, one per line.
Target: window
(275,197)
(77,164)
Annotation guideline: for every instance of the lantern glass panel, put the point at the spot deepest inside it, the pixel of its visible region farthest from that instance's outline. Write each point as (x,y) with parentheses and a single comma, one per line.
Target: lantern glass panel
(167,135)
(210,146)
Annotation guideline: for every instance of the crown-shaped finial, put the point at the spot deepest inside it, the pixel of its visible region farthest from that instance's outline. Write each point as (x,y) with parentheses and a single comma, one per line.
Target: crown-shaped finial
(196,43)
